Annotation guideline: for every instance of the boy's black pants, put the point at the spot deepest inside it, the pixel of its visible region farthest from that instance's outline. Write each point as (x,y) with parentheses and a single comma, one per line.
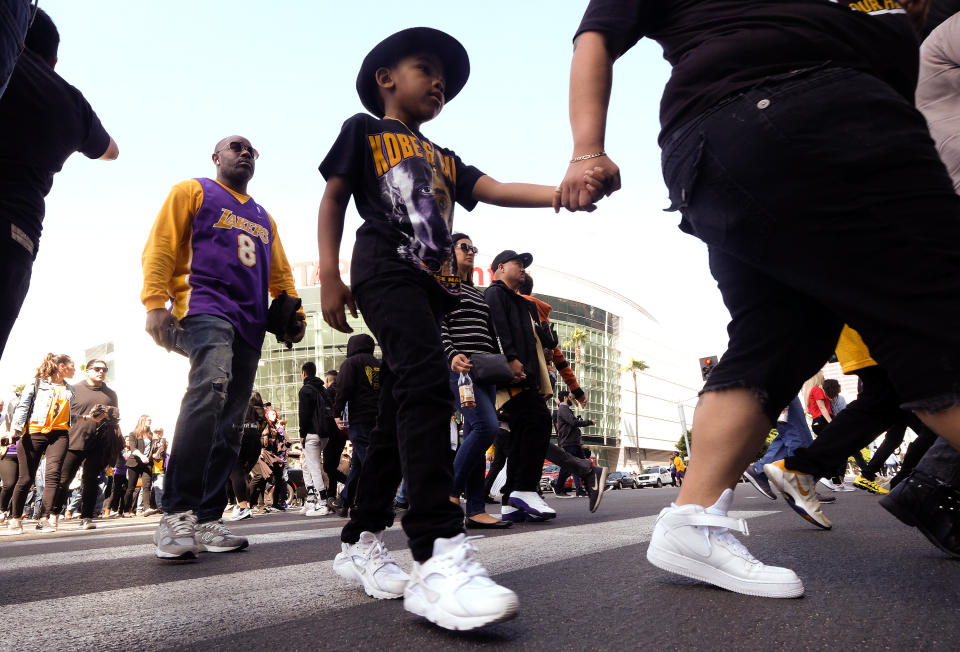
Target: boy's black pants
(412,435)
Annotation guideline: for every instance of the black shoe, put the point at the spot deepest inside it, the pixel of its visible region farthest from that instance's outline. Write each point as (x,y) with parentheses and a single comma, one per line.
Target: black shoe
(596,484)
(759,482)
(477,525)
(930,505)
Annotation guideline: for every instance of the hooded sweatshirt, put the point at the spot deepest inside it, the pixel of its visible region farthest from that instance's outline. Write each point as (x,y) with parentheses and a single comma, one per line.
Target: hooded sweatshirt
(358,383)
(312,394)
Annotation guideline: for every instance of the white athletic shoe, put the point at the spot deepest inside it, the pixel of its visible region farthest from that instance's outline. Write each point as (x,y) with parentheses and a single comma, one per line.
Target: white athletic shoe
(317,510)
(696,542)
(532,504)
(174,536)
(241,513)
(798,490)
(14,527)
(306,508)
(452,589)
(369,564)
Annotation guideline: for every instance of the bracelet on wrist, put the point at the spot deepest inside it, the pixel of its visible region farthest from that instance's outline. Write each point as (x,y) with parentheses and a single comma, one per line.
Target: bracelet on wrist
(588,156)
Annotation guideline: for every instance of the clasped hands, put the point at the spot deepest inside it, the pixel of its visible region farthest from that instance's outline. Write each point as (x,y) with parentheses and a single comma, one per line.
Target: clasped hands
(585,183)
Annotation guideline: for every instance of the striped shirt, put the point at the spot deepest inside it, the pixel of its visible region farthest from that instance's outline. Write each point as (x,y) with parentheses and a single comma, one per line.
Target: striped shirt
(468,328)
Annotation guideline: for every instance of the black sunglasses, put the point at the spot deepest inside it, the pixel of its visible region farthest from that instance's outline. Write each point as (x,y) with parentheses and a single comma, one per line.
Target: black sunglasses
(467,249)
(98,369)
(238,147)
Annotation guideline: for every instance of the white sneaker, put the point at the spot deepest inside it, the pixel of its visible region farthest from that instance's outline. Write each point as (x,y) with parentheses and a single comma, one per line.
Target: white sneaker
(174,536)
(532,504)
(454,591)
(306,508)
(318,510)
(798,490)
(14,528)
(241,513)
(696,542)
(369,564)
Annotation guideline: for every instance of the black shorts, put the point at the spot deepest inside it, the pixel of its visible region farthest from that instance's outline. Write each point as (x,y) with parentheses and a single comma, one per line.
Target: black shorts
(823,201)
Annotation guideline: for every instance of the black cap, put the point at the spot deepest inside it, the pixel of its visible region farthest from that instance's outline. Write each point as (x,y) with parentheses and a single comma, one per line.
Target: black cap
(507,255)
(414,40)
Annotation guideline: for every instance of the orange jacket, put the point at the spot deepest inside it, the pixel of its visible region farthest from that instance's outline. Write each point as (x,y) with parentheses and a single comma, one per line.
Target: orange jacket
(559,362)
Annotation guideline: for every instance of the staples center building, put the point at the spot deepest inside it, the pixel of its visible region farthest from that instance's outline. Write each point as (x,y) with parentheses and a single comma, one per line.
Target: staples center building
(637,416)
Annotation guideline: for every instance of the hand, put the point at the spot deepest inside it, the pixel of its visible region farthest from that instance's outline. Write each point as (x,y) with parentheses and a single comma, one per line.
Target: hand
(160,325)
(586,182)
(333,296)
(460,363)
(103,413)
(917,11)
(518,373)
(340,423)
(300,329)
(582,401)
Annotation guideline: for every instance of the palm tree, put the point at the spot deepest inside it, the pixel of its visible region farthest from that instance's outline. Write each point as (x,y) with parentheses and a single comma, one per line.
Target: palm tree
(633,368)
(577,338)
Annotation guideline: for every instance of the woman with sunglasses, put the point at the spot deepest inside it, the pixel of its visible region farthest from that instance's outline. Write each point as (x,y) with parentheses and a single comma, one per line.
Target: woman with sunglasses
(91,441)
(43,417)
(467,330)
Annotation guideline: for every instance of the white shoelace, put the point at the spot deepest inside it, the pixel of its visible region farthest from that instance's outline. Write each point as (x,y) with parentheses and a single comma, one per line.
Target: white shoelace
(381,555)
(724,536)
(183,525)
(462,561)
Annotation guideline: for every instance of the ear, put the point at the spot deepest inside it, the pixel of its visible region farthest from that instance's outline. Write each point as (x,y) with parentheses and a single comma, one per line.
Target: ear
(215,158)
(384,77)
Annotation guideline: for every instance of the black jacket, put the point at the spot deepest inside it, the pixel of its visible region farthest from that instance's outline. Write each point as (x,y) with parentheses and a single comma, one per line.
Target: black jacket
(511,315)
(358,382)
(312,396)
(568,427)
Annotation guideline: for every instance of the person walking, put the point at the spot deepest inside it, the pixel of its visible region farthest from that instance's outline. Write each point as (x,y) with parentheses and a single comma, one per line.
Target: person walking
(139,468)
(316,426)
(41,423)
(91,442)
(214,253)
(569,436)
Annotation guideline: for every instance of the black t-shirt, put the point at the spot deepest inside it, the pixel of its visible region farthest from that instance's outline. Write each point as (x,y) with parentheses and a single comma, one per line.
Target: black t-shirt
(719,47)
(404,187)
(85,398)
(43,120)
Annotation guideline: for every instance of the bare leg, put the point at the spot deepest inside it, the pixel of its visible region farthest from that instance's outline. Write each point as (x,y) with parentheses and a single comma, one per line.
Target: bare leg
(728,428)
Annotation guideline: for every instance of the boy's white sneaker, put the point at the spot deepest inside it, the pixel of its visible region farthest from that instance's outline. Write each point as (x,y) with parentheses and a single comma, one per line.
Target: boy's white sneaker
(369,564)
(696,542)
(452,589)
(317,510)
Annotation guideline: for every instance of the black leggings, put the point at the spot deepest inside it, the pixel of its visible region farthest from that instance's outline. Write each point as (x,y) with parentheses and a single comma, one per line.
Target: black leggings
(117,490)
(9,468)
(29,451)
(141,471)
(250,448)
(93,466)
(331,463)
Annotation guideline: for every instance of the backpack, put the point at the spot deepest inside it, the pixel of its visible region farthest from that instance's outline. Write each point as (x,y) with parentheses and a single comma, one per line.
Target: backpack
(328,425)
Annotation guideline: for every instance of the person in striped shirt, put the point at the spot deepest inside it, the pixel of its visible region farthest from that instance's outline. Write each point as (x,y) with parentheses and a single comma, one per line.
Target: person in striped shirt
(466,330)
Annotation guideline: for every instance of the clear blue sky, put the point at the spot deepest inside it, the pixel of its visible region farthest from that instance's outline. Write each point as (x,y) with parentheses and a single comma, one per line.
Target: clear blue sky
(170,79)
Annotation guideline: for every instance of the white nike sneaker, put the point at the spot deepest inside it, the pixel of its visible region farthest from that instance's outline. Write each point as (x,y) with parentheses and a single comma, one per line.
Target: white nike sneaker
(696,542)
(318,510)
(532,504)
(452,589)
(369,564)
(798,490)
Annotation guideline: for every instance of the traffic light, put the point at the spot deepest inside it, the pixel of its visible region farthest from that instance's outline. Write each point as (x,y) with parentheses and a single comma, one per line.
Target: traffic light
(707,364)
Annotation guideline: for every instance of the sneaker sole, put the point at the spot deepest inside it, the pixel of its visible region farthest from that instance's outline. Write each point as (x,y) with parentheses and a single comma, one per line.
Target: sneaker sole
(696,570)
(416,604)
(170,556)
(756,485)
(530,511)
(346,569)
(208,548)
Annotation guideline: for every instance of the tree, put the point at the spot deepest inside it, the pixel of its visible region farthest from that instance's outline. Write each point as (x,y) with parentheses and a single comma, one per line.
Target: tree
(635,366)
(682,446)
(577,338)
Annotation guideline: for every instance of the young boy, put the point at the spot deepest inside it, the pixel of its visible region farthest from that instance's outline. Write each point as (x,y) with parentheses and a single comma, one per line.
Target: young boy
(404,279)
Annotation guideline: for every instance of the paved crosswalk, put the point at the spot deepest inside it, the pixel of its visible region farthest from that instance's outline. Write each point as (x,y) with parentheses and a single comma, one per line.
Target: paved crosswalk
(224,594)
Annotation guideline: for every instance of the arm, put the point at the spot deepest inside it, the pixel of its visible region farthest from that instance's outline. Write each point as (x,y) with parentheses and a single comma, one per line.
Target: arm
(591,78)
(159,258)
(458,362)
(569,378)
(281,280)
(345,387)
(20,416)
(528,195)
(824,408)
(333,293)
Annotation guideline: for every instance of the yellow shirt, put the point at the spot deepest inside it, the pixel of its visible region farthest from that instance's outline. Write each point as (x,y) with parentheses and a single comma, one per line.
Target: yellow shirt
(678,464)
(57,414)
(852,353)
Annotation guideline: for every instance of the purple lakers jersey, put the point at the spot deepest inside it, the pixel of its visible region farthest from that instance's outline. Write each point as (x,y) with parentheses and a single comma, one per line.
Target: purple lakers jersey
(229,263)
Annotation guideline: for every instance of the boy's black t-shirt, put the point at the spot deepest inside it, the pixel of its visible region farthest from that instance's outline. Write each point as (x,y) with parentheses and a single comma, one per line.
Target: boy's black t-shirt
(404,187)
(719,47)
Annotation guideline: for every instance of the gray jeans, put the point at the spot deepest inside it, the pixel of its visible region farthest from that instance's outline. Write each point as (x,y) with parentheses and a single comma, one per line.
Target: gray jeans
(313,446)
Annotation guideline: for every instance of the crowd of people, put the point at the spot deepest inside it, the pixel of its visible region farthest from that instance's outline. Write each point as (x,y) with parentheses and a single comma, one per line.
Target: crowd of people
(792,131)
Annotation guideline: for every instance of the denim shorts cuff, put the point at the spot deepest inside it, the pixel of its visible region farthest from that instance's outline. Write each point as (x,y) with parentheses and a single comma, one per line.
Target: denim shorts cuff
(934,403)
(760,393)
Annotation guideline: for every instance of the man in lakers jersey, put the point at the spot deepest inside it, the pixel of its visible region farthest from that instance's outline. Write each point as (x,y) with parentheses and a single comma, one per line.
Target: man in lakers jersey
(211,262)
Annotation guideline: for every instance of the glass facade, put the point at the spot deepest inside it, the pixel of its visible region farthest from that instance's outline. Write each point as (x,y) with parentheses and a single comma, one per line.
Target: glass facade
(597,367)
(278,378)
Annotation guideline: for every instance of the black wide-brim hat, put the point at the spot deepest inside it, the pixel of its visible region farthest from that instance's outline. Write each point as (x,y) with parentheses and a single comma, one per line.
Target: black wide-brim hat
(414,40)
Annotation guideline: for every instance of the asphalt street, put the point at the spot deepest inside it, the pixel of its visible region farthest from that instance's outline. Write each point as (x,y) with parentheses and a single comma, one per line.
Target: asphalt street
(583,581)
